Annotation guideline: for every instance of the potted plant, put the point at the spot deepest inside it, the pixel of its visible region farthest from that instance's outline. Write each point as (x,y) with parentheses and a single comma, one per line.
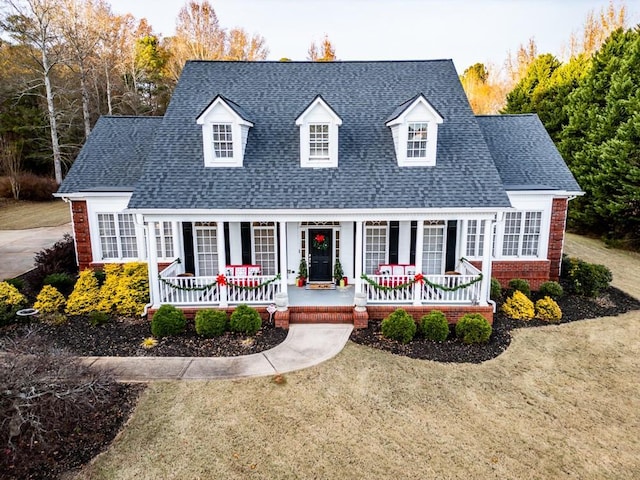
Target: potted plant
(338,273)
(303,272)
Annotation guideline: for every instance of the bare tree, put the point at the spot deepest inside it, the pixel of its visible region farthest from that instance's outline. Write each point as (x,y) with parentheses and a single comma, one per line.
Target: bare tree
(11,162)
(326,52)
(517,65)
(596,29)
(240,45)
(32,22)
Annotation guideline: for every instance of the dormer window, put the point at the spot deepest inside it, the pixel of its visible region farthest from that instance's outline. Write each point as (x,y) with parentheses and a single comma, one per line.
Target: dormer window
(318,135)
(225,129)
(414,126)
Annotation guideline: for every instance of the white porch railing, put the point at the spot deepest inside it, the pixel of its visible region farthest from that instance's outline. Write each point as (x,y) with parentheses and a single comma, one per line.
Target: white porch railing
(180,290)
(464,287)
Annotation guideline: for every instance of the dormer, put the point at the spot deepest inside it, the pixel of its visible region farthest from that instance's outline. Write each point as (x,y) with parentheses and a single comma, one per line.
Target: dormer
(225,128)
(318,135)
(414,126)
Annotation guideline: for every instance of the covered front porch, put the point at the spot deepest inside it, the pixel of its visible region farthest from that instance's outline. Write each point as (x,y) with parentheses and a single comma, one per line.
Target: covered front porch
(227,262)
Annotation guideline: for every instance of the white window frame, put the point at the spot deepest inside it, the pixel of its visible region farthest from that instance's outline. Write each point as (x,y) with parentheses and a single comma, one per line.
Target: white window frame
(521,233)
(474,247)
(369,267)
(318,113)
(117,219)
(218,143)
(426,253)
(416,144)
(257,258)
(165,241)
(316,139)
(200,271)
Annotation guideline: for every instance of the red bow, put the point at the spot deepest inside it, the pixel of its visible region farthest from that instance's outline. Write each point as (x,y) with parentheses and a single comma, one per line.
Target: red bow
(320,238)
(221,280)
(419,278)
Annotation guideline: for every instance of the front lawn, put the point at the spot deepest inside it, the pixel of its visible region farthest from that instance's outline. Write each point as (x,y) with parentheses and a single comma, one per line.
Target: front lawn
(20,215)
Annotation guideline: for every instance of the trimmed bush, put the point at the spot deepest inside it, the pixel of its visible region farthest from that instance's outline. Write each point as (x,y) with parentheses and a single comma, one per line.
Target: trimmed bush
(49,300)
(473,328)
(167,321)
(245,319)
(520,285)
(548,310)
(62,281)
(211,323)
(109,289)
(496,289)
(11,300)
(551,289)
(16,282)
(84,297)
(125,290)
(399,326)
(587,279)
(519,306)
(98,318)
(434,326)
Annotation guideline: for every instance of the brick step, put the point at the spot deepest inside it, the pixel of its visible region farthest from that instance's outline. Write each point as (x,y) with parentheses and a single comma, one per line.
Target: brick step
(324,317)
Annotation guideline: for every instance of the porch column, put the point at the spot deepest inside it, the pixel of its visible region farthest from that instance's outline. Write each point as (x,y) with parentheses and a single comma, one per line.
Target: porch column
(152,264)
(359,253)
(222,262)
(284,270)
(178,251)
(417,291)
(485,285)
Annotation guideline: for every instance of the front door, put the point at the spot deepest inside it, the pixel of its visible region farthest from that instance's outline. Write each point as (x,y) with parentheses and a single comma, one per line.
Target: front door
(321,249)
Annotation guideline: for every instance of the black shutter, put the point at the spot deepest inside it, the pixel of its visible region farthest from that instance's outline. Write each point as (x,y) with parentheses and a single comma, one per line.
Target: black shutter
(414,236)
(452,235)
(245,236)
(394,235)
(187,241)
(227,244)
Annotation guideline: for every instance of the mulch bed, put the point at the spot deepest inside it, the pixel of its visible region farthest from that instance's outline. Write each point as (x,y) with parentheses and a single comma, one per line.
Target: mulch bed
(610,303)
(122,337)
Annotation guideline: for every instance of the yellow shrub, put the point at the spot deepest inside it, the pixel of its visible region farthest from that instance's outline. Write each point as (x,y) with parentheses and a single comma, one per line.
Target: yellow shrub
(548,310)
(109,289)
(125,290)
(518,306)
(84,298)
(49,300)
(10,295)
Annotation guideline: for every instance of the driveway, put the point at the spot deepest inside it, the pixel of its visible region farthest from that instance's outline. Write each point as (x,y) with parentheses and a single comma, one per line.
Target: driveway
(18,247)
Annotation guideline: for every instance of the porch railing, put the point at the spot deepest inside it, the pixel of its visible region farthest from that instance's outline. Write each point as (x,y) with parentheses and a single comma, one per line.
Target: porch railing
(180,290)
(463,287)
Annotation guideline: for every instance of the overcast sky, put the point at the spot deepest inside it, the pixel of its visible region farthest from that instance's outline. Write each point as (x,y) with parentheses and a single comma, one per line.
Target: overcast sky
(467,31)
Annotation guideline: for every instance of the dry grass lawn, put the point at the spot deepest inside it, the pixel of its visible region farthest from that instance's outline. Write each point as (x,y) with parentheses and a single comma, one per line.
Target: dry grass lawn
(20,215)
(562,402)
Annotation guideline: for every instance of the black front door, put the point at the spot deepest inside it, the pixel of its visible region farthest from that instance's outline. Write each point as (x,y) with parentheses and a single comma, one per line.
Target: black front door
(321,248)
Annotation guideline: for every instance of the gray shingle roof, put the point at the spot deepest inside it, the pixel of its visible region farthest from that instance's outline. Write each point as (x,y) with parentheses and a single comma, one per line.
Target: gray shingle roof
(524,154)
(113,156)
(363,94)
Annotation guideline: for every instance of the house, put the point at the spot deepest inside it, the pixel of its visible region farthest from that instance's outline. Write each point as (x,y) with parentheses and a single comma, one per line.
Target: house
(380,165)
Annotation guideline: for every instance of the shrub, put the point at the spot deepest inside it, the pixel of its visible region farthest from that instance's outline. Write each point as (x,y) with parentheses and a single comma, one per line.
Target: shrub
(587,279)
(109,289)
(245,319)
(60,258)
(399,326)
(167,321)
(551,289)
(496,289)
(211,323)
(125,290)
(473,328)
(37,188)
(98,318)
(434,326)
(84,297)
(11,300)
(520,285)
(16,282)
(518,306)
(63,282)
(548,310)
(49,300)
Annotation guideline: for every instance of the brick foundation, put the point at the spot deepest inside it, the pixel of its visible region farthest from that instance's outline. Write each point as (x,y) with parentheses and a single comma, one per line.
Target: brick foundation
(452,312)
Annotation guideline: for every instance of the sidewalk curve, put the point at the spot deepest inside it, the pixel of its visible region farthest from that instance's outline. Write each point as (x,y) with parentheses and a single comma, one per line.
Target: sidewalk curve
(306,345)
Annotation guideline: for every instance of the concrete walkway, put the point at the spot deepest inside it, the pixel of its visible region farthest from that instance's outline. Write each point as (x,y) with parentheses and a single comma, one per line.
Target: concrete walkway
(305,346)
(18,247)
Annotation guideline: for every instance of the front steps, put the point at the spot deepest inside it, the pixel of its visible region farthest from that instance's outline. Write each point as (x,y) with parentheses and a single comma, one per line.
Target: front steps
(320,314)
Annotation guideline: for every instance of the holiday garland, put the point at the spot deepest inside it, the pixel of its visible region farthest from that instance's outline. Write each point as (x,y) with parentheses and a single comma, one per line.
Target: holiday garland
(221,280)
(421,279)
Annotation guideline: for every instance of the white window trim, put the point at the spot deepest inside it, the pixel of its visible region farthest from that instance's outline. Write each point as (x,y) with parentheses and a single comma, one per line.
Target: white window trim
(162,242)
(220,113)
(254,260)
(481,225)
(542,237)
(387,227)
(196,253)
(443,252)
(318,113)
(98,255)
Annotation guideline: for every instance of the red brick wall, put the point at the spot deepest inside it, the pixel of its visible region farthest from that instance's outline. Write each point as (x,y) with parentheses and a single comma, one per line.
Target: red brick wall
(556,236)
(452,312)
(81,233)
(536,272)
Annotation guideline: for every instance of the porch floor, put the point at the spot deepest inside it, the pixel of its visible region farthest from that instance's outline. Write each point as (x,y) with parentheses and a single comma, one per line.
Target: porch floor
(341,296)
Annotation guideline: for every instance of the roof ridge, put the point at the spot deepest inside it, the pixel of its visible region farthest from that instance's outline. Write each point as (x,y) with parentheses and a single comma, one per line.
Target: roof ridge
(336,62)
(504,115)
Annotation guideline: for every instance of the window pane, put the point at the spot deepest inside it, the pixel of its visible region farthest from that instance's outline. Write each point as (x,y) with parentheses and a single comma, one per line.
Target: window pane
(222,141)
(164,240)
(207,251)
(375,247)
(108,235)
(432,250)
(127,235)
(531,236)
(475,238)
(417,140)
(264,244)
(319,141)
(512,227)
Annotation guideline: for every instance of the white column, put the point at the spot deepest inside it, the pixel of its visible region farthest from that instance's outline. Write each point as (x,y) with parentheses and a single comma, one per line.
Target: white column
(284,271)
(359,253)
(222,261)
(152,264)
(485,286)
(417,292)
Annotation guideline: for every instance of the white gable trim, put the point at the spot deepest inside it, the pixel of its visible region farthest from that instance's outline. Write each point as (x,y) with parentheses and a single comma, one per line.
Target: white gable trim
(319,114)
